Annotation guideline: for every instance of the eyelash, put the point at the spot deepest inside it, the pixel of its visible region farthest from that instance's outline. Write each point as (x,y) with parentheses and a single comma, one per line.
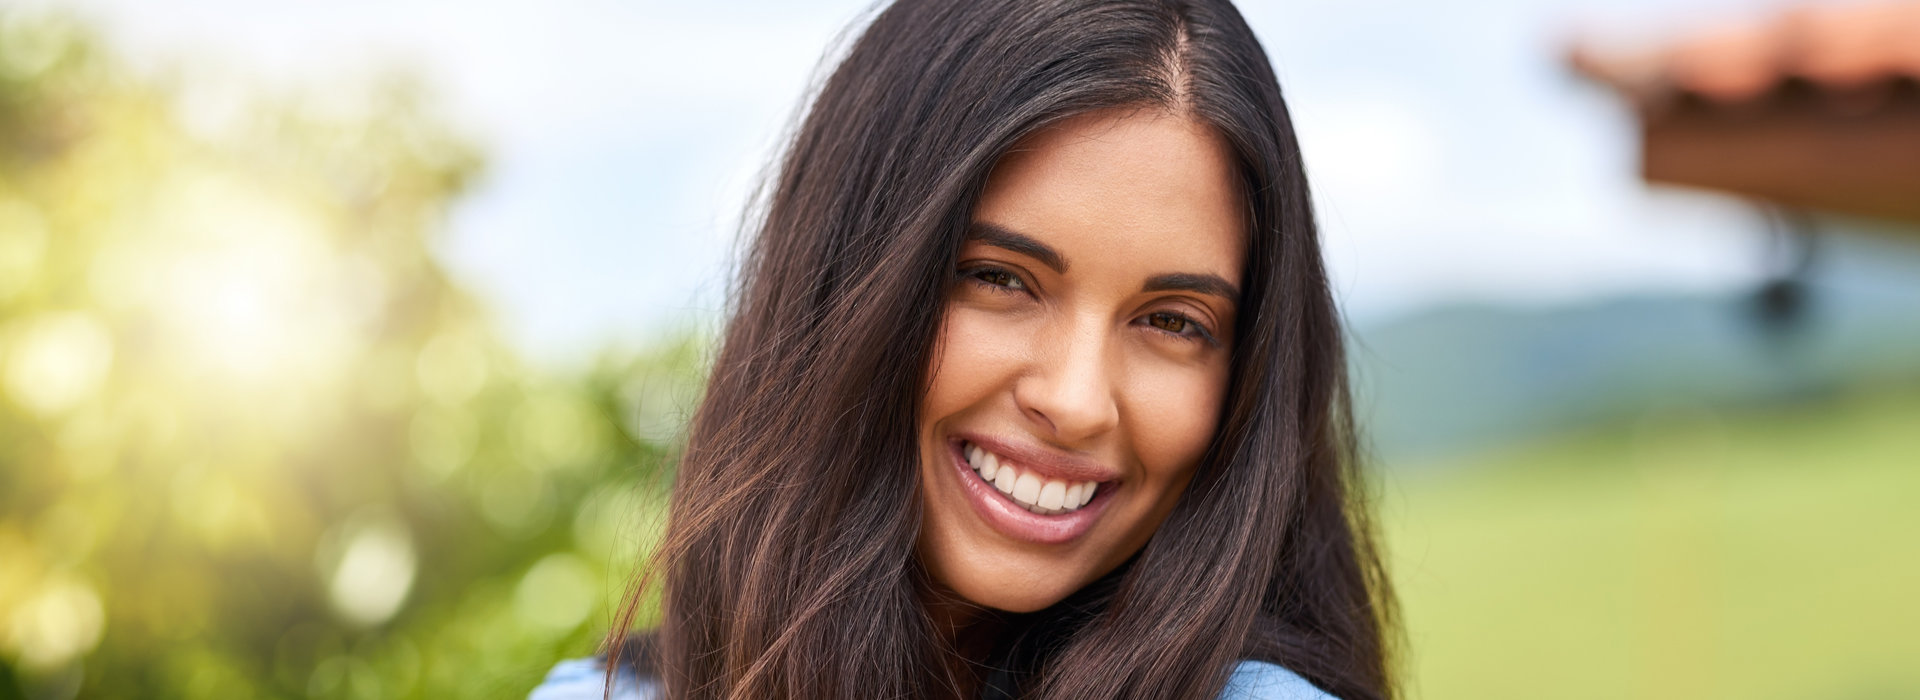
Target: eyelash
(1199,331)
(974,274)
(1194,330)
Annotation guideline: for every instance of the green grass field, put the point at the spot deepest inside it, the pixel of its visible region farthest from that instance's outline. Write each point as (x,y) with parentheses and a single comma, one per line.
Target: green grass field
(1765,555)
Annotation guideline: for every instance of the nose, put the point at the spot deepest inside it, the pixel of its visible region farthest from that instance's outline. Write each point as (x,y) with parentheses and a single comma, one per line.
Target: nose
(1069,390)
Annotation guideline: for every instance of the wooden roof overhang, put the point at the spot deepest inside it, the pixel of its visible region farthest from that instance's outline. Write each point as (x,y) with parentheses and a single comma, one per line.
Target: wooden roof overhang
(1817,109)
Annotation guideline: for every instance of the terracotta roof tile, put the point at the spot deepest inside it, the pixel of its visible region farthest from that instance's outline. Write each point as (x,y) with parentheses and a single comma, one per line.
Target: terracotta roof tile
(1834,46)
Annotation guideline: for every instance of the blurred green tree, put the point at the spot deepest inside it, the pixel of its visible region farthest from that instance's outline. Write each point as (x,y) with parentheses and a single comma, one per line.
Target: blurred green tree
(253,441)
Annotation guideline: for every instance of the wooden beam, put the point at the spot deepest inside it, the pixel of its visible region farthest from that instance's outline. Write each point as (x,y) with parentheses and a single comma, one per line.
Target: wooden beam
(1808,153)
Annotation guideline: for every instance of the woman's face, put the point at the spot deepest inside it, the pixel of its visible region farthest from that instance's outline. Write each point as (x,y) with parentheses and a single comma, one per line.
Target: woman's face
(1082,359)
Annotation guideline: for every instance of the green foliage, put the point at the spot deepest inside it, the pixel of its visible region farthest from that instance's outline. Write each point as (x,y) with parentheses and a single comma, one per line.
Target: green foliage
(253,441)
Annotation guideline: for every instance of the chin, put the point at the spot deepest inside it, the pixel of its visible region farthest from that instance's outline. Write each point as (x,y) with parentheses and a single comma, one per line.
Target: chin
(1014,589)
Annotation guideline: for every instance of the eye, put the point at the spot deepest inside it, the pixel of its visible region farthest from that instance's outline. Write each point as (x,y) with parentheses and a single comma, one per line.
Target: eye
(1171,323)
(1180,325)
(996,278)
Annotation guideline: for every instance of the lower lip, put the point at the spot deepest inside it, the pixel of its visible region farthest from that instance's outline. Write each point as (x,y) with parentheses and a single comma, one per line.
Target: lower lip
(1016,522)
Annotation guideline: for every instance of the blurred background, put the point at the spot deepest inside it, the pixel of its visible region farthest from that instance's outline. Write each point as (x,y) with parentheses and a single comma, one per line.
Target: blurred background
(343,345)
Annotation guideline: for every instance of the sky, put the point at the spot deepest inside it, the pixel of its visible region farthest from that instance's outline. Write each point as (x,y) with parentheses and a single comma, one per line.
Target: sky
(1454,157)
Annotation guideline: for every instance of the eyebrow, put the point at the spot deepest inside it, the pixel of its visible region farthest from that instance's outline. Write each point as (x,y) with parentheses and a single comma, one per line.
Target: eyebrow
(1190,282)
(1002,237)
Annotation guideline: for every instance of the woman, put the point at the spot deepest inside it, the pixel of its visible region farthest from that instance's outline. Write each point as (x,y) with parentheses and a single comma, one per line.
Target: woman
(1033,388)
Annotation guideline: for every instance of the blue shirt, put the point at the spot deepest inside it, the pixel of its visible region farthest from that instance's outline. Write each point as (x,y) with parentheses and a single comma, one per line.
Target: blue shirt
(583,679)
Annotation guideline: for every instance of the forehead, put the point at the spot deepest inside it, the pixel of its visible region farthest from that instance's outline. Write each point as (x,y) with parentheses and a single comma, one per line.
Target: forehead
(1125,189)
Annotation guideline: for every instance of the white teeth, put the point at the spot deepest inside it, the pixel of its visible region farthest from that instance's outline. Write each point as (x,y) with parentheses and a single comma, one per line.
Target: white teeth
(1053,494)
(1029,490)
(1026,489)
(1004,480)
(988,466)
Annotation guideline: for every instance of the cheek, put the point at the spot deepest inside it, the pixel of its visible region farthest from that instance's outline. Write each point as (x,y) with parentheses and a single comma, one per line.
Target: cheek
(975,355)
(1175,413)
(974,362)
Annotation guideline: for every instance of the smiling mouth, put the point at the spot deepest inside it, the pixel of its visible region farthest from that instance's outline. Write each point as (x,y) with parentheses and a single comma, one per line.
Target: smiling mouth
(1027,488)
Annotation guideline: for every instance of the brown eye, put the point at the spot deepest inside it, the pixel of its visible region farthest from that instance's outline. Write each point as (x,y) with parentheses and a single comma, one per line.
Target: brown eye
(997,278)
(1171,323)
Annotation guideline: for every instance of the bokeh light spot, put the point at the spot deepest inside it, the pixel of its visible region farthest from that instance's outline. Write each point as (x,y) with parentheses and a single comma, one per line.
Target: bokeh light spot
(369,577)
(57,360)
(556,594)
(60,623)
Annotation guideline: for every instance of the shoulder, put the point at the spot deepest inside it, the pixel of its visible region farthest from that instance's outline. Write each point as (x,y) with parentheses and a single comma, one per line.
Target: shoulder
(585,679)
(1259,680)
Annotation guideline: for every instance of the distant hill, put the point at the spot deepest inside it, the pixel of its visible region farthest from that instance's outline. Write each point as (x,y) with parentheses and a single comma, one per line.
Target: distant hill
(1458,378)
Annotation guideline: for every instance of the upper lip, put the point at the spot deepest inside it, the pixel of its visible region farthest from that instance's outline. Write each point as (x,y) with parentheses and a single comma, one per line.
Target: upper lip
(1046,462)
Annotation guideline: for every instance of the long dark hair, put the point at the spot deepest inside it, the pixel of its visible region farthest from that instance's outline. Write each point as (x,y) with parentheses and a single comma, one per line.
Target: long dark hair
(788,568)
